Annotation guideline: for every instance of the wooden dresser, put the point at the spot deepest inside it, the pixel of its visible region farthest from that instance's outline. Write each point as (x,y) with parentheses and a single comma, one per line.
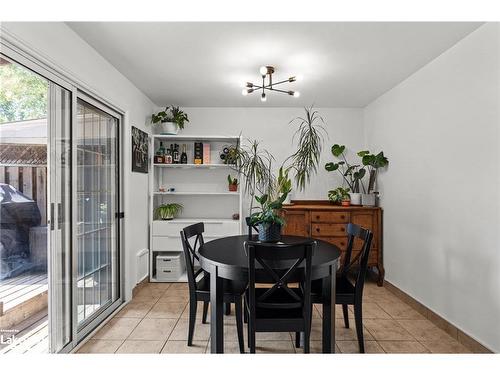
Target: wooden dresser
(322,220)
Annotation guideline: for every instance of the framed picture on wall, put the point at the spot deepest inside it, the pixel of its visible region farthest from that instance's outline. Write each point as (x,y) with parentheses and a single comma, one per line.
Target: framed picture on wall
(140,150)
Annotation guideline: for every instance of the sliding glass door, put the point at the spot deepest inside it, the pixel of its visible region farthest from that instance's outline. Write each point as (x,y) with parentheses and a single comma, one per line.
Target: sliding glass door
(97,208)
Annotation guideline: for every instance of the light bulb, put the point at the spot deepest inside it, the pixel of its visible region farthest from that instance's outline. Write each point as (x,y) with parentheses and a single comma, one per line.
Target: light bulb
(296,94)
(244,92)
(263,70)
(263,97)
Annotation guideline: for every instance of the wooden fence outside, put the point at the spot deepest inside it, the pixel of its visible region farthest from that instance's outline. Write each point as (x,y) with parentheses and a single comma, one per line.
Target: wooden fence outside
(31,181)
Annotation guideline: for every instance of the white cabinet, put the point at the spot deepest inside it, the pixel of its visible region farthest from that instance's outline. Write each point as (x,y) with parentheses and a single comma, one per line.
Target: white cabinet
(203,192)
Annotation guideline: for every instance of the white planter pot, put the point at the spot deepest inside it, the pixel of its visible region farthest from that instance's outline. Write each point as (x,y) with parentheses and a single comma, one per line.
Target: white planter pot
(355,198)
(368,199)
(170,128)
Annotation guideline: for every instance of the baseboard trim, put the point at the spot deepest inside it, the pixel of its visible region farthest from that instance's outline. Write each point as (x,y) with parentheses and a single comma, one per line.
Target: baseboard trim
(139,286)
(467,341)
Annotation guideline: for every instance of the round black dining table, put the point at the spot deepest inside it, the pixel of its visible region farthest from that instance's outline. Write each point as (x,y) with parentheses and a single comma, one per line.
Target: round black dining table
(226,258)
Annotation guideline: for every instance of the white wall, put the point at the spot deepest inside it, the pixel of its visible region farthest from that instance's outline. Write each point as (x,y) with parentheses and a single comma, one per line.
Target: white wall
(440,130)
(62,46)
(271,126)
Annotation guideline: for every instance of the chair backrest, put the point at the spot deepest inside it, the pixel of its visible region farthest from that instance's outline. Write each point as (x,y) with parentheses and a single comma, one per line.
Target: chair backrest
(360,261)
(251,227)
(191,251)
(280,263)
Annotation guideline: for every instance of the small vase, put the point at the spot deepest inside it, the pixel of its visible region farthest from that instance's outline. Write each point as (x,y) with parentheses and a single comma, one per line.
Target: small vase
(269,232)
(168,128)
(233,187)
(368,199)
(355,198)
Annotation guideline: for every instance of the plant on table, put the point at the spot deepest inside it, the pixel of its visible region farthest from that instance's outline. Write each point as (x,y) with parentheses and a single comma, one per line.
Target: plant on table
(271,190)
(168,211)
(339,195)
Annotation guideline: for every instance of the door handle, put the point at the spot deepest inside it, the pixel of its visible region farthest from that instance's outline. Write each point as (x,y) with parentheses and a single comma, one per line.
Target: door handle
(52,216)
(59,215)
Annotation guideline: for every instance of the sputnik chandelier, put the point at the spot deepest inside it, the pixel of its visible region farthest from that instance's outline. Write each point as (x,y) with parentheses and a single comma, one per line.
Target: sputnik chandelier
(267,72)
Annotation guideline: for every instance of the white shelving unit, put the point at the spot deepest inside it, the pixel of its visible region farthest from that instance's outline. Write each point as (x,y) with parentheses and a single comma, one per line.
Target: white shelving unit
(201,188)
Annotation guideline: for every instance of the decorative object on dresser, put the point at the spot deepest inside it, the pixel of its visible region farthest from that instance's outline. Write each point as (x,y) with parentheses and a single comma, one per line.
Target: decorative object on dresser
(170,120)
(322,220)
(340,195)
(140,151)
(202,190)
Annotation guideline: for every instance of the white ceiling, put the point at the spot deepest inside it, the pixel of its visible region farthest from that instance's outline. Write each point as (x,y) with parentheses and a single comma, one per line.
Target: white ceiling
(204,64)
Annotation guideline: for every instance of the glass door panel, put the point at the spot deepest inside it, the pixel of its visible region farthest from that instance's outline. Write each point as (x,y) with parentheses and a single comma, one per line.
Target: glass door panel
(60,265)
(97,204)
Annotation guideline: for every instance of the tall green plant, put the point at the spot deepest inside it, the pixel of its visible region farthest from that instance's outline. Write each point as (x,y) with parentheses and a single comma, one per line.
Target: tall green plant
(373,162)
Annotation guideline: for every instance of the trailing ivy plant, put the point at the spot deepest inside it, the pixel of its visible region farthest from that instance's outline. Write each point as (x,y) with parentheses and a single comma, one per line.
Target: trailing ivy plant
(338,195)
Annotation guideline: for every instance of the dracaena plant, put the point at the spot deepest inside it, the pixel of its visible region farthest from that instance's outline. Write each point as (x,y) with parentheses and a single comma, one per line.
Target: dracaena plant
(352,174)
(373,162)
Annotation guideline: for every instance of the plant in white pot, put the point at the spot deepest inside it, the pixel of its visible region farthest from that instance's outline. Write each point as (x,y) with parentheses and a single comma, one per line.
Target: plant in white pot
(170,120)
(168,211)
(352,174)
(373,162)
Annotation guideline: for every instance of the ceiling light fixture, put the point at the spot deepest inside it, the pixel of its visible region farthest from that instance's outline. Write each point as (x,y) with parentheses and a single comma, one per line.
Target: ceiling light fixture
(267,72)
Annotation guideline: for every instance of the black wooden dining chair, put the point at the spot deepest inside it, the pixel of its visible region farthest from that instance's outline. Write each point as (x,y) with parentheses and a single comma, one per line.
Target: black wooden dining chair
(347,292)
(279,308)
(200,290)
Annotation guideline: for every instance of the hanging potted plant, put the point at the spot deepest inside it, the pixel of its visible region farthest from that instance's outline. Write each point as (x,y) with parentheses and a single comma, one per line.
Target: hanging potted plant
(168,211)
(352,174)
(373,162)
(233,183)
(170,120)
(340,195)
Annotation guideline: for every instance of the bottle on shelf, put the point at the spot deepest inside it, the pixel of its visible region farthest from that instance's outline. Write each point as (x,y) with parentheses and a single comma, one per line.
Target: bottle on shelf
(176,156)
(168,156)
(198,153)
(184,157)
(160,154)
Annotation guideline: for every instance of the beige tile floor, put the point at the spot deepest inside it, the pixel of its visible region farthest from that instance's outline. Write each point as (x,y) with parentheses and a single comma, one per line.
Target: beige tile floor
(155,321)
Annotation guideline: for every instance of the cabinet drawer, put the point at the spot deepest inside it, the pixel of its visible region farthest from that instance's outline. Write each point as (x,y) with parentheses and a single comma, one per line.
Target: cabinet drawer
(331,230)
(329,217)
(212,228)
(340,242)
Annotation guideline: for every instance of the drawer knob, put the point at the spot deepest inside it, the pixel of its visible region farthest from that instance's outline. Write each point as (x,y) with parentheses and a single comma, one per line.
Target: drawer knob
(317,229)
(342,217)
(317,217)
(342,229)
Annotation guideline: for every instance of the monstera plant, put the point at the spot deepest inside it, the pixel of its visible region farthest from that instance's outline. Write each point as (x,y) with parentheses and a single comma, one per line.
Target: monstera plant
(373,163)
(352,174)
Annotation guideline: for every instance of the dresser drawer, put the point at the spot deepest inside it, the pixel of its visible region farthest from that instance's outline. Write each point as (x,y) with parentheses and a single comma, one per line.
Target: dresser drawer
(330,230)
(329,217)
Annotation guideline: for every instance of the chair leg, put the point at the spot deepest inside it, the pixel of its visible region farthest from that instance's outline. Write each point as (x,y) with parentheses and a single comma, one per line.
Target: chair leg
(227,308)
(239,324)
(251,338)
(345,310)
(245,311)
(297,339)
(358,318)
(192,320)
(205,313)
(307,338)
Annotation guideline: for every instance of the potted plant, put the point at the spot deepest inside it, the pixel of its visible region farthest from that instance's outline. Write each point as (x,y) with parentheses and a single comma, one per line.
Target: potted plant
(233,183)
(168,211)
(340,195)
(268,217)
(352,174)
(170,120)
(373,162)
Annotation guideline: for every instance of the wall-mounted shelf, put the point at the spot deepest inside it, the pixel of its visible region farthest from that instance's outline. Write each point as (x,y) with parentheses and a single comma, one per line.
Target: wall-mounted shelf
(202,190)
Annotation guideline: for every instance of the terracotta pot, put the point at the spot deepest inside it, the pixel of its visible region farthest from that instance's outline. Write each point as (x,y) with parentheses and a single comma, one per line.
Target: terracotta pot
(346,203)
(233,187)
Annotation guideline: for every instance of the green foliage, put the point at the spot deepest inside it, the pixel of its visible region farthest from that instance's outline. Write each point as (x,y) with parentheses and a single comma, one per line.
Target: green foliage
(168,211)
(338,195)
(373,162)
(231,180)
(269,210)
(23,94)
(352,174)
(170,114)
(310,140)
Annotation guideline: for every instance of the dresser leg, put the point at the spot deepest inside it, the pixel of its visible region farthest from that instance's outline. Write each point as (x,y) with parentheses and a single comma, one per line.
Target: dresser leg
(381,275)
